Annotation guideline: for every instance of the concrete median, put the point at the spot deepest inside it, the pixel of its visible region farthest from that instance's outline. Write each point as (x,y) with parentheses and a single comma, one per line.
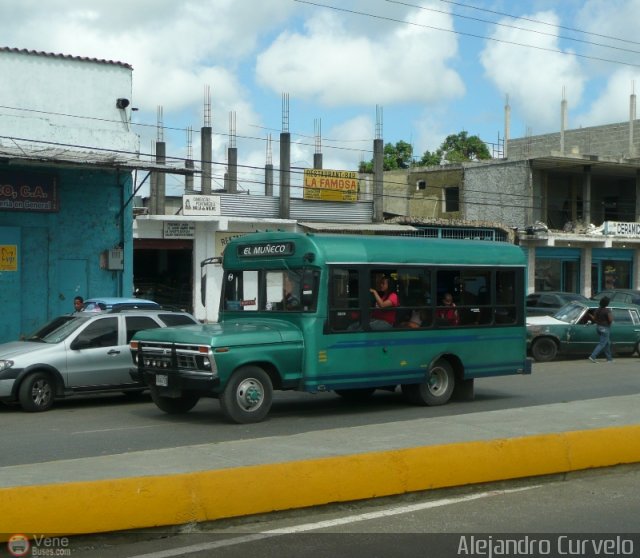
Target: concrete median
(214,481)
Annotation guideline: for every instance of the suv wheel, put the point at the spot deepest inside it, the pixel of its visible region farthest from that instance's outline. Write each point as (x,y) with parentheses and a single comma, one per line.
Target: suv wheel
(36,392)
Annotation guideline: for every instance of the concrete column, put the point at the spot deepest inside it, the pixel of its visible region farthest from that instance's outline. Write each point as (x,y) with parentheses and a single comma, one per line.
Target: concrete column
(232,155)
(285,175)
(317,160)
(531,268)
(586,195)
(188,178)
(585,271)
(268,179)
(635,273)
(153,193)
(637,216)
(206,154)
(378,181)
(563,123)
(632,117)
(161,179)
(507,129)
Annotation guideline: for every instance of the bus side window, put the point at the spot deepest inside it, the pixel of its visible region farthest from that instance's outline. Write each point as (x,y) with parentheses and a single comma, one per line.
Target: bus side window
(505,310)
(344,303)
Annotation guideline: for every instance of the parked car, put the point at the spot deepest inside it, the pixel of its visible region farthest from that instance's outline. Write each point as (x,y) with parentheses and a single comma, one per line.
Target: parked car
(547,303)
(108,304)
(620,295)
(75,354)
(571,331)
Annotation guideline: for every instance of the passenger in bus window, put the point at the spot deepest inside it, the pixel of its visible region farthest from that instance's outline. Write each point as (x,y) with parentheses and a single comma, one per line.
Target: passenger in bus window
(449,313)
(291,294)
(386,300)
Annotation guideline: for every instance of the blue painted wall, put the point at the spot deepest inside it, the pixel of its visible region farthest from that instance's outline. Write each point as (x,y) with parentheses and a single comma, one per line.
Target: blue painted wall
(59,253)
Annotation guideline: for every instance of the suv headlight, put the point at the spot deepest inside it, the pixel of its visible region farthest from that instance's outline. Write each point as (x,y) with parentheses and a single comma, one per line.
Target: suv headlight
(5,365)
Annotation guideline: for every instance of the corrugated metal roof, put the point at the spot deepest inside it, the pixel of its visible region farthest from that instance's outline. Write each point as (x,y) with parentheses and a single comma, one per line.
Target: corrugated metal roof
(65,56)
(74,157)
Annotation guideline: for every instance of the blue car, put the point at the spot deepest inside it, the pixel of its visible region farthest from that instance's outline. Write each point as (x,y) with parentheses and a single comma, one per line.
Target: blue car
(116,303)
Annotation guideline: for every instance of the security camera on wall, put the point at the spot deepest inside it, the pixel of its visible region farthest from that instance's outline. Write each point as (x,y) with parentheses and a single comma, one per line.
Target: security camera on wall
(122,103)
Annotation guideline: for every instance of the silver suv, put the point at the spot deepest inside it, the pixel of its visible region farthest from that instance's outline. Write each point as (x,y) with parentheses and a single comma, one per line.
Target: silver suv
(77,354)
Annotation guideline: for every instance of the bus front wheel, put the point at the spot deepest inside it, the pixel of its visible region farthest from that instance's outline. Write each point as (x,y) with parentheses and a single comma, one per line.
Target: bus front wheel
(248,395)
(436,389)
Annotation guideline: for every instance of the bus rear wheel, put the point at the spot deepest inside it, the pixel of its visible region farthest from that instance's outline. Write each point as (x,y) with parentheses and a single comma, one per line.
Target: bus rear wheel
(435,389)
(248,395)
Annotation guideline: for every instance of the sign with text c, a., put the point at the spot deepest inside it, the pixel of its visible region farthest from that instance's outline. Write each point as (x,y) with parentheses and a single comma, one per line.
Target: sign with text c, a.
(8,257)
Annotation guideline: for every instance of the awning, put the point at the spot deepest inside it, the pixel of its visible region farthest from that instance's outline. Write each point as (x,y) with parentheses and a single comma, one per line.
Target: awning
(357,227)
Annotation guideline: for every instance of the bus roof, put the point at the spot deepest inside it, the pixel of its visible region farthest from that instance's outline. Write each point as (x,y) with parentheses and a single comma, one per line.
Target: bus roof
(260,249)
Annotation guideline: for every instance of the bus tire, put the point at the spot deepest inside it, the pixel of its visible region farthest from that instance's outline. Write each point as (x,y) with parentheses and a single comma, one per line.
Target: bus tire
(355,395)
(436,389)
(248,395)
(544,349)
(174,405)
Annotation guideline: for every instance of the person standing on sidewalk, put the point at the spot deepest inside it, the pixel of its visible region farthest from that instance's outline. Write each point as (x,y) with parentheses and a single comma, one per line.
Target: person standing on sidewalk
(603,319)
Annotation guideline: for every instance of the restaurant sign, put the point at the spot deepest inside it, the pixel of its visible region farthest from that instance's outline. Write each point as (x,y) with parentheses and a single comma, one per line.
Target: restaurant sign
(330,185)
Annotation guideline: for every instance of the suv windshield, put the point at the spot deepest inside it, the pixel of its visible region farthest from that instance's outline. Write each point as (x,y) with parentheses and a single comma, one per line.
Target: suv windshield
(58,329)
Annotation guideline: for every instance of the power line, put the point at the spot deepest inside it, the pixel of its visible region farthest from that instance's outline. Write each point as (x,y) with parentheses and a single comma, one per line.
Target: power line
(463,33)
(539,21)
(516,27)
(175,129)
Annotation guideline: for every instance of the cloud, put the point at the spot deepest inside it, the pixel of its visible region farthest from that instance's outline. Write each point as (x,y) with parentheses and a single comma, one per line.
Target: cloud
(612,105)
(332,63)
(533,76)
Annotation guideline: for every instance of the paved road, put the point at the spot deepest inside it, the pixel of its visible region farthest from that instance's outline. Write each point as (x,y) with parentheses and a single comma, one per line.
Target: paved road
(98,426)
(556,512)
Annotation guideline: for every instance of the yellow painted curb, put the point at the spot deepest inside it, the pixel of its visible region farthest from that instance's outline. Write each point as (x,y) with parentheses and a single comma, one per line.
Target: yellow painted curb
(144,502)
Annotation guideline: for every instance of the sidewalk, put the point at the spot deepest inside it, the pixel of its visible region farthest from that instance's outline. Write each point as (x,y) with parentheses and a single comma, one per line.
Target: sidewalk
(213,481)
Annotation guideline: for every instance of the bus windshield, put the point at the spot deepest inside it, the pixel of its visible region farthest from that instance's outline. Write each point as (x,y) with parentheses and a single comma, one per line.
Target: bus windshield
(291,290)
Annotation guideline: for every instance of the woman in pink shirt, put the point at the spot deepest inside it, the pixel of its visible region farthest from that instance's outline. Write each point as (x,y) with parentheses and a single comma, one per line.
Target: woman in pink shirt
(384,315)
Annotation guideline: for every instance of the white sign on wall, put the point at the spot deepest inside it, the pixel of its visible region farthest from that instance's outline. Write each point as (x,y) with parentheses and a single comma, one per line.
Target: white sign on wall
(178,230)
(621,228)
(200,205)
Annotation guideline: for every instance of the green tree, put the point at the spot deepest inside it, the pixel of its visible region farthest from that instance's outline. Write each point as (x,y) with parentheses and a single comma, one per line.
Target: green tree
(458,148)
(398,156)
(430,159)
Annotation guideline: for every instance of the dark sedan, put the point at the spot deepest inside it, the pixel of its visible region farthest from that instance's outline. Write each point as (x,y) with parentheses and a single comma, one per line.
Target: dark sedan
(571,331)
(547,303)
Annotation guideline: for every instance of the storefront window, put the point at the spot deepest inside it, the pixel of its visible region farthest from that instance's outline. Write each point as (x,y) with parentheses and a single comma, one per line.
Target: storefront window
(615,274)
(548,275)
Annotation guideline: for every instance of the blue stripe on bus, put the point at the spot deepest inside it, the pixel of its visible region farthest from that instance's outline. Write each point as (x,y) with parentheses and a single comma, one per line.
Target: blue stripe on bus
(420,341)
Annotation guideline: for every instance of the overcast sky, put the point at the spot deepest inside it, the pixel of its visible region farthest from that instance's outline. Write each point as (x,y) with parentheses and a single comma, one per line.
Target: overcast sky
(435,67)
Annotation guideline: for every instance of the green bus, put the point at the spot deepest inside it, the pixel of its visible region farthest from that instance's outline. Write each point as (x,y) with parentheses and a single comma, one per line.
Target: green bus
(344,313)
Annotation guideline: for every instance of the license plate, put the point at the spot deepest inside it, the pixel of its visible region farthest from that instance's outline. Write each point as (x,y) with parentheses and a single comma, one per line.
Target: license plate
(162,380)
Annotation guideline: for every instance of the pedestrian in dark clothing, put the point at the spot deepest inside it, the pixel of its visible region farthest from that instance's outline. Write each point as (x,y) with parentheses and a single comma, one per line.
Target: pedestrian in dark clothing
(603,319)
(78,304)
